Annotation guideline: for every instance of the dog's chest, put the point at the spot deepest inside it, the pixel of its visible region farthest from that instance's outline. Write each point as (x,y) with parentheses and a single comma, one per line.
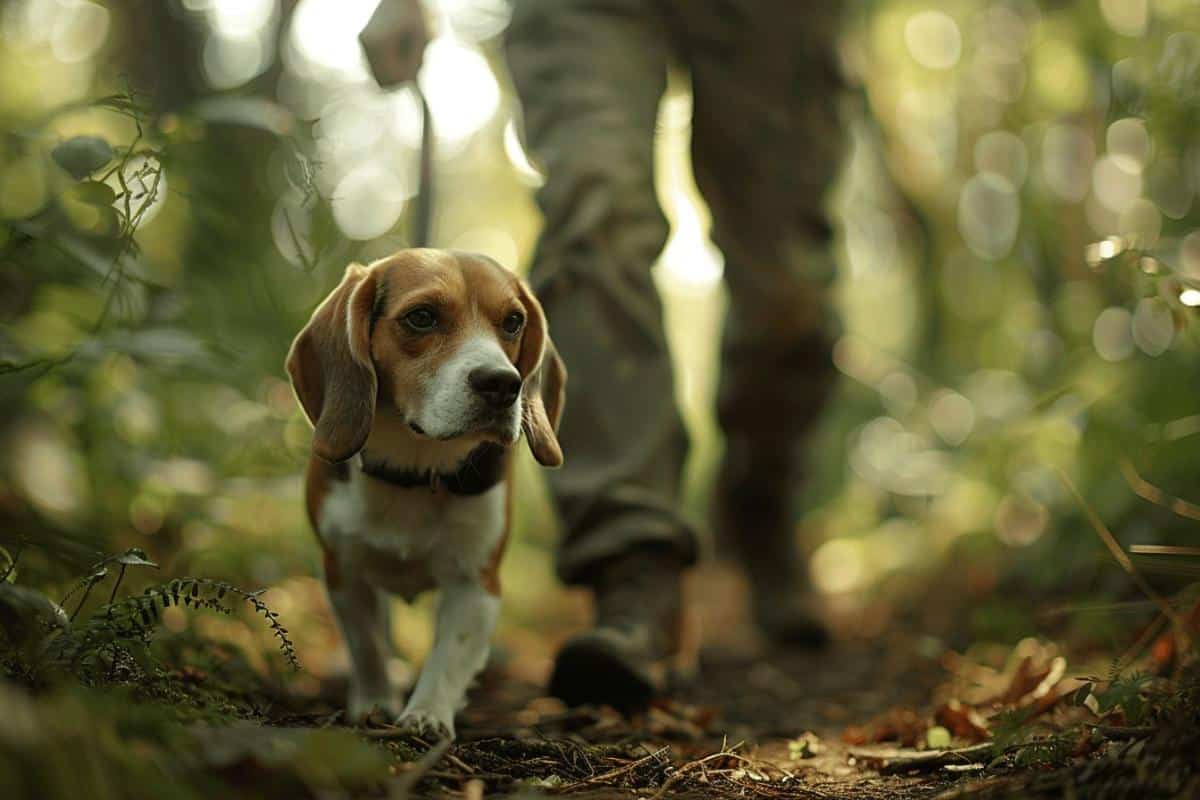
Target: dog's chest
(408,540)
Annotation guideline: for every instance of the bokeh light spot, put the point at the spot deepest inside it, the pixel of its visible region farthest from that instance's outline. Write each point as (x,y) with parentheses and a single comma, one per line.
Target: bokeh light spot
(952,416)
(838,565)
(1067,156)
(369,200)
(230,61)
(1116,186)
(988,215)
(933,39)
(1020,521)
(1129,143)
(1061,77)
(325,32)
(1189,255)
(240,18)
(460,88)
(1153,326)
(1112,334)
(1126,17)
(1004,154)
(79,31)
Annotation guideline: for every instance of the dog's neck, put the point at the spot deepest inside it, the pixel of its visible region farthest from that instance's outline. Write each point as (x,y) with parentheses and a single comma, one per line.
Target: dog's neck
(398,455)
(483,468)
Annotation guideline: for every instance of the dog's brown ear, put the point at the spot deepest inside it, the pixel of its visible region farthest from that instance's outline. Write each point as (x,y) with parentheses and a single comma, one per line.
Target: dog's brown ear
(545,378)
(331,368)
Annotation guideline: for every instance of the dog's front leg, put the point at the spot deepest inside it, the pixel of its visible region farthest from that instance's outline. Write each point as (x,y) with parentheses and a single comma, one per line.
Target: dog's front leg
(466,617)
(363,615)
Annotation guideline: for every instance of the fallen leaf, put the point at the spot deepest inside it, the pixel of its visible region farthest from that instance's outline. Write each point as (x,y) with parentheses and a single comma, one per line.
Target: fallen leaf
(855,734)
(1027,678)
(896,725)
(1058,668)
(963,721)
(1163,653)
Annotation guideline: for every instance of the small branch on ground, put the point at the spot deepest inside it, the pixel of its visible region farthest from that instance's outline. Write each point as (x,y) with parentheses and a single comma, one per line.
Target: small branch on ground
(661,755)
(895,762)
(402,788)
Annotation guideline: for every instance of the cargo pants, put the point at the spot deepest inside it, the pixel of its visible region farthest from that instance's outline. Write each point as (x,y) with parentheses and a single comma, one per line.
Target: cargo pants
(766,144)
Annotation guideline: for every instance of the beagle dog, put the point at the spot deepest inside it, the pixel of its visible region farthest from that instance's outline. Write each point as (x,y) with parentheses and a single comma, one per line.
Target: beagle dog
(419,373)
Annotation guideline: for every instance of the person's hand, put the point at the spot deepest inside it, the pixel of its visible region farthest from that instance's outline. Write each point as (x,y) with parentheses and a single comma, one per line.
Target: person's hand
(395,40)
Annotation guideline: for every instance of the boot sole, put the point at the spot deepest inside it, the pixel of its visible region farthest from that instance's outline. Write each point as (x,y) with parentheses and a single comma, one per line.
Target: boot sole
(592,670)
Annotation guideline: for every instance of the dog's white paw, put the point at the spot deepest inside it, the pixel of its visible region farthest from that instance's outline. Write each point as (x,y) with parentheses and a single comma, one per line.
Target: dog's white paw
(426,723)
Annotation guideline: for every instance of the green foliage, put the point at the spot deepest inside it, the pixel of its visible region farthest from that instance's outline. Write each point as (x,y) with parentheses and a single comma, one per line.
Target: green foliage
(1127,694)
(80,156)
(73,743)
(112,644)
(154,264)
(1011,728)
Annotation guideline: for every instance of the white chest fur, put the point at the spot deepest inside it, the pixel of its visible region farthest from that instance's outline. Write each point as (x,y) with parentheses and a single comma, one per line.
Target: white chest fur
(407,540)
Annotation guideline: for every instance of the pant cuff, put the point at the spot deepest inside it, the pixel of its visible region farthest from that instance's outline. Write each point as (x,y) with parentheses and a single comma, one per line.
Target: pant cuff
(621,535)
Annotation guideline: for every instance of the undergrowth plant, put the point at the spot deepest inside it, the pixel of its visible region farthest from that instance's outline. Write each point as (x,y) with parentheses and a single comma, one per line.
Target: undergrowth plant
(112,643)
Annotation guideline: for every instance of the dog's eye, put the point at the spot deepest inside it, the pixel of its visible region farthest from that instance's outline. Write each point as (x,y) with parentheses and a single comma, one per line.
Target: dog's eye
(421,320)
(513,323)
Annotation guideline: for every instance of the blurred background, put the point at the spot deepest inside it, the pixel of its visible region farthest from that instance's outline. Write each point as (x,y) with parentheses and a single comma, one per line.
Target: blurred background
(1019,264)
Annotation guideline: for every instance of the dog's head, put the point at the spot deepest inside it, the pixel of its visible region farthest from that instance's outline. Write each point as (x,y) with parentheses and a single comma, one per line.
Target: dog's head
(452,343)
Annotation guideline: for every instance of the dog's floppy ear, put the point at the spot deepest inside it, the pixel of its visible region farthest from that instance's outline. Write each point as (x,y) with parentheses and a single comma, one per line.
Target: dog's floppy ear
(545,378)
(331,369)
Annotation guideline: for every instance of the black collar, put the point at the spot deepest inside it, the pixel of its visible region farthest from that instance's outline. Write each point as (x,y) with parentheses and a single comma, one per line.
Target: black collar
(482,469)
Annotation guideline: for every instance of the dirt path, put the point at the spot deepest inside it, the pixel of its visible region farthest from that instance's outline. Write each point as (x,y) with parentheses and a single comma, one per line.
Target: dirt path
(752,709)
(852,721)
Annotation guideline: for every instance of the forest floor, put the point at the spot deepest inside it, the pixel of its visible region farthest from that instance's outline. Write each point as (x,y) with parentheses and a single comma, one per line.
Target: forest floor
(854,721)
(898,715)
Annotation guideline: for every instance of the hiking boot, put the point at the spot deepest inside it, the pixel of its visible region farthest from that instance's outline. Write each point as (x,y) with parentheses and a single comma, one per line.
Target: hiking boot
(787,617)
(781,600)
(627,659)
(753,517)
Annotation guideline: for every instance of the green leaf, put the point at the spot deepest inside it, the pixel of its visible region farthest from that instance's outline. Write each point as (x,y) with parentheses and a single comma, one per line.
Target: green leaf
(94,193)
(807,745)
(938,738)
(135,557)
(80,156)
(141,656)
(1125,693)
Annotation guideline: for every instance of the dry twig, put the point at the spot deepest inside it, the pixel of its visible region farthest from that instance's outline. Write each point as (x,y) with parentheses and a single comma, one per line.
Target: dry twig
(607,777)
(928,759)
(1151,493)
(1122,558)
(402,788)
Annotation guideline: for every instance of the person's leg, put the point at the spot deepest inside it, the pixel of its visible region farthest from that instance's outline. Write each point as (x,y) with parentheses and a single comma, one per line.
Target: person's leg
(766,147)
(590,74)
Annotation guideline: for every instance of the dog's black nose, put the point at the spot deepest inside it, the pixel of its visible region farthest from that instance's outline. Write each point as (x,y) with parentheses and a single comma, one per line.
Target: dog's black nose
(498,387)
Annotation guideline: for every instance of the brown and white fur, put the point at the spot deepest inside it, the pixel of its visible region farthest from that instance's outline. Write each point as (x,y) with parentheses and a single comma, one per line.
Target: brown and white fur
(410,366)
